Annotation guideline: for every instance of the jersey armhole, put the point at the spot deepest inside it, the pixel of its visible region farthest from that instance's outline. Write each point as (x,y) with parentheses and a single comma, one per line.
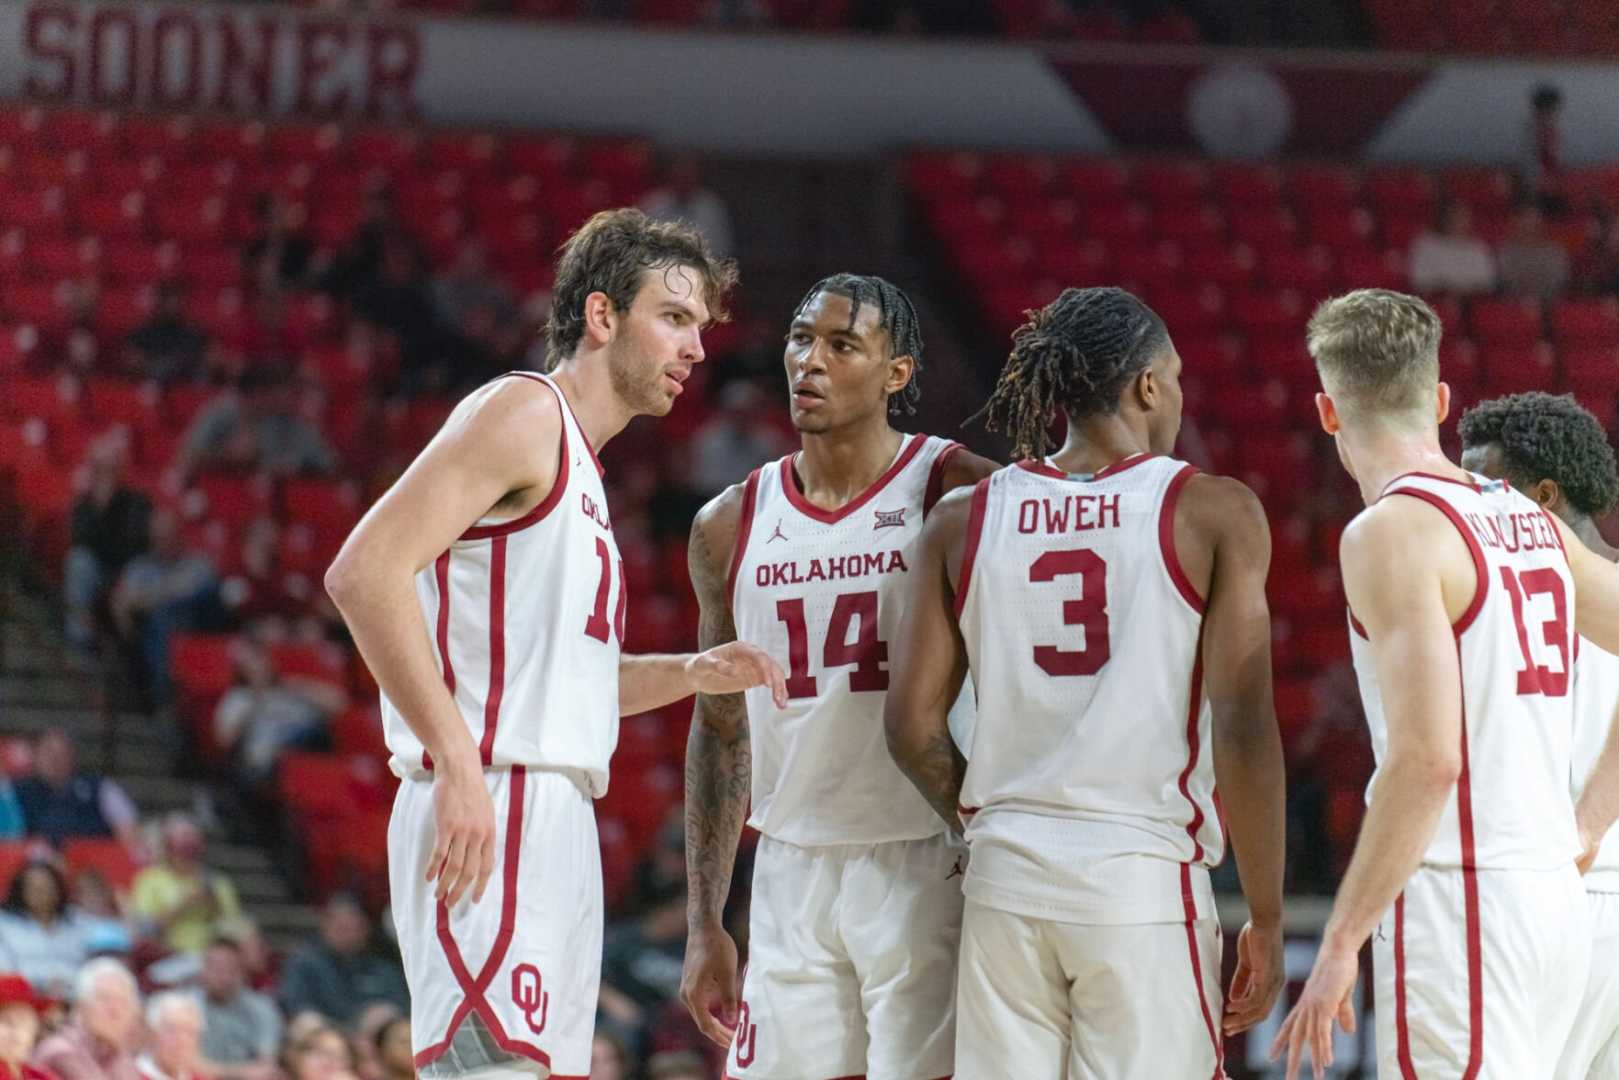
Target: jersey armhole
(750,498)
(554,496)
(1166,540)
(935,489)
(1480,569)
(969,547)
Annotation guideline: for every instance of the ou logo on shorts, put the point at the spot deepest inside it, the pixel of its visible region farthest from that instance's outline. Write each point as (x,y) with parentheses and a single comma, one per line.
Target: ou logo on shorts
(529,995)
(747,1038)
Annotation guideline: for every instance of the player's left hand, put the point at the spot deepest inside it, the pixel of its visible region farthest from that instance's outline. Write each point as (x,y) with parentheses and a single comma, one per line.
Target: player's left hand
(734,667)
(1590,843)
(1258,979)
(1326,995)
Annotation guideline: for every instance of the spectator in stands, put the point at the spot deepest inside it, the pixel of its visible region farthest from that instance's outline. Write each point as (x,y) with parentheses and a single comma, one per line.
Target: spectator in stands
(1598,268)
(97,1042)
(39,938)
(736,439)
(393,1050)
(241,1027)
(676,1065)
(468,294)
(321,1053)
(1532,263)
(109,528)
(1543,149)
(12,825)
(1451,258)
(59,802)
(280,252)
(399,299)
(266,713)
(21,1011)
(174,1039)
(256,427)
(167,590)
(179,900)
(683,197)
(356,264)
(609,1058)
(363,1038)
(167,348)
(340,973)
(642,957)
(258,961)
(96,908)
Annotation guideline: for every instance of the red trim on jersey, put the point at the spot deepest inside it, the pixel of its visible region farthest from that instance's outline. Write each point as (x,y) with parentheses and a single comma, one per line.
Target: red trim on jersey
(1040,468)
(1402,1034)
(474,991)
(1359,627)
(789,484)
(1122,464)
(744,528)
(1193,748)
(497,648)
(1166,538)
(552,383)
(1044,468)
(441,576)
(1475,945)
(547,504)
(1197,969)
(1470,484)
(1479,565)
(969,547)
(935,489)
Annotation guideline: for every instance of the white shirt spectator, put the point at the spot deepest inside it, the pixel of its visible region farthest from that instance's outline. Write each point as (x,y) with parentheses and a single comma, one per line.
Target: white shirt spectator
(1451,259)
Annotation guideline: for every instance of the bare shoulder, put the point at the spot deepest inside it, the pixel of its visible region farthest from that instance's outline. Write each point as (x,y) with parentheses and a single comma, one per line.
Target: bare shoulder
(948,521)
(1407,526)
(713,536)
(508,408)
(963,468)
(1222,506)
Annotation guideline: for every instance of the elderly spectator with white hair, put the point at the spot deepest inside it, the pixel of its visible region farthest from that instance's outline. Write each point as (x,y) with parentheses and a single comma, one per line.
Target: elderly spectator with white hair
(97,1043)
(174,1039)
(20,1009)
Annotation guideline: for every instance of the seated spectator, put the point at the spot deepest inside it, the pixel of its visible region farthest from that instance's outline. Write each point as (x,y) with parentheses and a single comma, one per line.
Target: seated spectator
(683,197)
(12,826)
(468,289)
(97,909)
(167,590)
(340,973)
(356,264)
(609,1057)
(108,528)
(241,1027)
(400,301)
(174,1039)
(256,427)
(676,1065)
(39,938)
(642,957)
(259,964)
(167,348)
(266,713)
(21,1011)
(1532,263)
(736,439)
(280,252)
(179,900)
(393,1050)
(321,1053)
(98,1041)
(1451,258)
(59,802)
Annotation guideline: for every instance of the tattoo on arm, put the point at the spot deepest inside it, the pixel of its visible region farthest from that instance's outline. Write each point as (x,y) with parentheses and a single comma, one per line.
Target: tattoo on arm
(938,773)
(719,759)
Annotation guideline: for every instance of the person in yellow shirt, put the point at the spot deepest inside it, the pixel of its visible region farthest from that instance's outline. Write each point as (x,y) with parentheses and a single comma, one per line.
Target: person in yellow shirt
(179,900)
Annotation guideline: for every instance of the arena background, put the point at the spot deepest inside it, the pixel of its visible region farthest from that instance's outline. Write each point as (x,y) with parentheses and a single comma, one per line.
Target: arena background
(251,253)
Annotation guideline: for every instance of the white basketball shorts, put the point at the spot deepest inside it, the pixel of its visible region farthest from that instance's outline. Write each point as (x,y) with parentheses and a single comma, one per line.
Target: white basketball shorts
(851,962)
(1592,1050)
(526,959)
(1479,973)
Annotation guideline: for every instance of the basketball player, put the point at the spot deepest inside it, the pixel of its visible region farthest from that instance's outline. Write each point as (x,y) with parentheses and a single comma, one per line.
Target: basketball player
(485,592)
(1557,454)
(1462,610)
(856,903)
(1110,603)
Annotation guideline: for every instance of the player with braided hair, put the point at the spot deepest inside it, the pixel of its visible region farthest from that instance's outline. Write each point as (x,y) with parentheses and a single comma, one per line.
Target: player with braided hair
(1109,603)
(856,904)
(1555,452)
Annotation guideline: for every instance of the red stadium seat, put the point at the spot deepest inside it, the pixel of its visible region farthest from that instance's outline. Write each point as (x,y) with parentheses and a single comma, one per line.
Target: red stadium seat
(1171,182)
(1399,192)
(1190,223)
(1096,181)
(1265,228)
(1021,176)
(1372,269)
(1310,271)
(1321,187)
(1248,185)
(1515,368)
(109,858)
(1190,310)
(14,855)
(1505,321)
(1488,192)
(1269,311)
(1228,267)
(1582,324)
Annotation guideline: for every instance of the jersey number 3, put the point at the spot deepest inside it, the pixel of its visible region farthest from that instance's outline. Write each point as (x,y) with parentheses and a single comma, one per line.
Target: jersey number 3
(1088,612)
(1536,678)
(866,652)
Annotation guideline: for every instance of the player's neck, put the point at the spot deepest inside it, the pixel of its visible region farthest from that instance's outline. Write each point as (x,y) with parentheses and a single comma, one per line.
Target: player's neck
(1098,442)
(1388,453)
(595,404)
(1591,536)
(836,466)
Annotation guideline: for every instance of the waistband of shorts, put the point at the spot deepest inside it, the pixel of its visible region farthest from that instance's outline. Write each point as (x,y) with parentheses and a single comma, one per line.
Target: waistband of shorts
(578,777)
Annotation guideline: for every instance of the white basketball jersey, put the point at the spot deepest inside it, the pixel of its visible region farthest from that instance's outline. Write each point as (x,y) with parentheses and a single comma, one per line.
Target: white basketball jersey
(1511,807)
(821,591)
(527,619)
(1596,699)
(1084,638)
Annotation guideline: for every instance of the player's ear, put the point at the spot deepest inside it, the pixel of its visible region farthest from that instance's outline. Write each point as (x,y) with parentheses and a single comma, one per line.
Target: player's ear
(1328,412)
(1546,494)
(1442,405)
(901,370)
(1146,389)
(600,318)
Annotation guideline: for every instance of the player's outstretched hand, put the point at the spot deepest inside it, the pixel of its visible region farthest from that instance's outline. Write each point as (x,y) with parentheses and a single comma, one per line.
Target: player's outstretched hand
(463,834)
(708,983)
(1326,995)
(734,667)
(1258,979)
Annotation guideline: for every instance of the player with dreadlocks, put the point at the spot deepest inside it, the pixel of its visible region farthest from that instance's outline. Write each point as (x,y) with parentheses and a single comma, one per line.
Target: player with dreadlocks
(1557,453)
(1109,603)
(856,907)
